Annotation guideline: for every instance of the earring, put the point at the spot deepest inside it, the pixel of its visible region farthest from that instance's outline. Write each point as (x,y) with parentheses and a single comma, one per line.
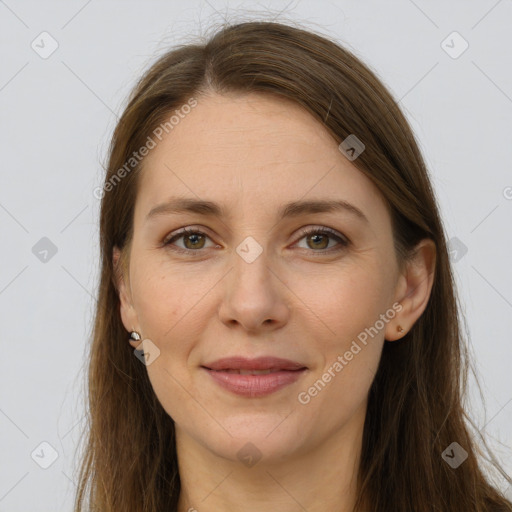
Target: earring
(400,329)
(134,335)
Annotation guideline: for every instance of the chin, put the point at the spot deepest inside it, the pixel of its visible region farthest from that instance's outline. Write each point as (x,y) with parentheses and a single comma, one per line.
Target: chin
(269,439)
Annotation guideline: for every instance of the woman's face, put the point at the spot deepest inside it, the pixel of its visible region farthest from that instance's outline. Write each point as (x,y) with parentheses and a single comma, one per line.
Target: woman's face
(250,283)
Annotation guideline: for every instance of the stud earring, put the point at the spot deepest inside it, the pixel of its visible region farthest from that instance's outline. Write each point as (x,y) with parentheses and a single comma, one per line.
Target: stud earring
(400,329)
(134,335)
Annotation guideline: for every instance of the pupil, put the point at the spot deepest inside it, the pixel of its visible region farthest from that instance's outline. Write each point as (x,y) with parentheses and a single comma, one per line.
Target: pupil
(316,238)
(193,239)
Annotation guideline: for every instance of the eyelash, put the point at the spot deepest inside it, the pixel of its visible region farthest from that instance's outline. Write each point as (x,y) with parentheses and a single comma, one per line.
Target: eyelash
(343,241)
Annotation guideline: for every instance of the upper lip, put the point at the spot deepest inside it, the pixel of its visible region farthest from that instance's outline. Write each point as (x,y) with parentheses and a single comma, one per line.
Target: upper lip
(259,363)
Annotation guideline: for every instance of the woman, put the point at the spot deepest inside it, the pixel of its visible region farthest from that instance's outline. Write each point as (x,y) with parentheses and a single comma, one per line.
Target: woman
(277,325)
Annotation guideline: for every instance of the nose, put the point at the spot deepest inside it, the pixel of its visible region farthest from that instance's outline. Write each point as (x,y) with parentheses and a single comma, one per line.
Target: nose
(255,297)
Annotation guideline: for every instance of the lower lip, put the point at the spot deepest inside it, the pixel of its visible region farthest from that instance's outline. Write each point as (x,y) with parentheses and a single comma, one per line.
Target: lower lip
(255,385)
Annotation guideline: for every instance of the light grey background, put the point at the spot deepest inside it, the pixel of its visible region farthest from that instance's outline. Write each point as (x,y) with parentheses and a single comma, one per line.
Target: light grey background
(57,115)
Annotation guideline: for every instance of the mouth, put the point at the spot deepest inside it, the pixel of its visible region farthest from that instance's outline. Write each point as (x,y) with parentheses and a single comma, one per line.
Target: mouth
(262,363)
(239,371)
(255,383)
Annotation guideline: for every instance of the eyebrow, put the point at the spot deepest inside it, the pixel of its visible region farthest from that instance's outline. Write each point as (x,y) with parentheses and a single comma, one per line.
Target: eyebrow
(292,209)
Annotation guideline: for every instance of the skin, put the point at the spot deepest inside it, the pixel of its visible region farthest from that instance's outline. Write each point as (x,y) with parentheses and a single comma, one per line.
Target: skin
(299,299)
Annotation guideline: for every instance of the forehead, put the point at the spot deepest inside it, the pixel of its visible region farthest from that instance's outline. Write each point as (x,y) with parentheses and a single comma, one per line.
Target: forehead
(252,150)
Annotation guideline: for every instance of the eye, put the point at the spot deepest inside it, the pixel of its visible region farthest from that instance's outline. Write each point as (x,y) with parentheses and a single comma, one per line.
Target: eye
(319,239)
(193,240)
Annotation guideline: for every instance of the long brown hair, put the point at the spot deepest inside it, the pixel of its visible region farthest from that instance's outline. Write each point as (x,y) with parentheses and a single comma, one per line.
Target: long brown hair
(416,402)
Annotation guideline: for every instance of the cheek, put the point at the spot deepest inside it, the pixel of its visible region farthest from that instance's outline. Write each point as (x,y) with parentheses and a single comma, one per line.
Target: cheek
(168,317)
(157,304)
(349,305)
(344,301)
(339,386)
(173,311)
(164,297)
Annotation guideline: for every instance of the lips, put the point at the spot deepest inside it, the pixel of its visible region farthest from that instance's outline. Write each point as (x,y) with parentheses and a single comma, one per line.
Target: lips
(251,372)
(268,364)
(254,377)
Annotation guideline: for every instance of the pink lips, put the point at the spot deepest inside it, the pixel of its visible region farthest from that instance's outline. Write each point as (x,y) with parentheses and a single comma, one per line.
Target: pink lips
(254,377)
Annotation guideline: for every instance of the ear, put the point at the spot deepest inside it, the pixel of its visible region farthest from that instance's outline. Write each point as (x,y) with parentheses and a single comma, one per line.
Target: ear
(413,289)
(127,311)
